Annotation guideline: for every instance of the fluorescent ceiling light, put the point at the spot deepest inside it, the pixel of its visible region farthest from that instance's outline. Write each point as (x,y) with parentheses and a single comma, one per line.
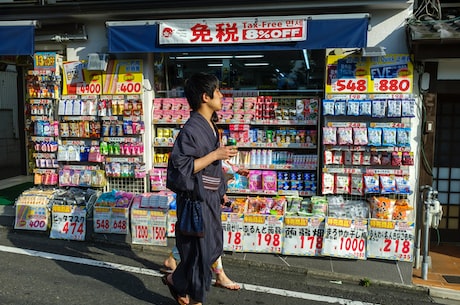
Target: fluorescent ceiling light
(215,65)
(203,57)
(305,57)
(249,56)
(373,51)
(256,64)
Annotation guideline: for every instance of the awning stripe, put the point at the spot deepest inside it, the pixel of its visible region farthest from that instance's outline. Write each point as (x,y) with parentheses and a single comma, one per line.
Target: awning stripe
(17,39)
(322,34)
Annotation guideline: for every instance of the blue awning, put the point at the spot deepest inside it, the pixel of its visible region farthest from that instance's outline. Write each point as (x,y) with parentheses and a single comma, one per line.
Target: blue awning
(342,31)
(17,37)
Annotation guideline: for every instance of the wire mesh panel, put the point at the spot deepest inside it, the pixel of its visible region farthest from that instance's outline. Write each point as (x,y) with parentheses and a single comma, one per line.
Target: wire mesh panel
(132,185)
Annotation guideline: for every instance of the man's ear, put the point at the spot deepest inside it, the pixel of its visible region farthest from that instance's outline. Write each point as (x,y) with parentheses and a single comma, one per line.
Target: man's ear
(205,97)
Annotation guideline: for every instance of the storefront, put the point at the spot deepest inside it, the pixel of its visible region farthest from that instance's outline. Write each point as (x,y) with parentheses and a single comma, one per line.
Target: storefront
(276,78)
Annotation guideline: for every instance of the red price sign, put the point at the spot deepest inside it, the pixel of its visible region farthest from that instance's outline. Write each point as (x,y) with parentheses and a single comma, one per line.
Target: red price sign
(159,233)
(353,85)
(91,88)
(68,222)
(303,236)
(102,225)
(232,225)
(119,226)
(262,233)
(345,238)
(142,232)
(392,85)
(129,87)
(393,240)
(171,225)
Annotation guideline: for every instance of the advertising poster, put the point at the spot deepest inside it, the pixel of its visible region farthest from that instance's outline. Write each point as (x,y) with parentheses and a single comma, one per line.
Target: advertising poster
(354,74)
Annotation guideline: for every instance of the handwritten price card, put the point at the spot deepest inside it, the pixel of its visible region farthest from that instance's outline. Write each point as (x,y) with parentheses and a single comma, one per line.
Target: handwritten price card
(171,223)
(68,222)
(392,240)
(141,226)
(303,236)
(159,227)
(148,226)
(111,220)
(31,217)
(263,233)
(345,238)
(232,224)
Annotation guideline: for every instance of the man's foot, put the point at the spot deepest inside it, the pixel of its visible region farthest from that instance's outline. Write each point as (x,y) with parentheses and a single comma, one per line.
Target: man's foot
(181,300)
(169,265)
(223,281)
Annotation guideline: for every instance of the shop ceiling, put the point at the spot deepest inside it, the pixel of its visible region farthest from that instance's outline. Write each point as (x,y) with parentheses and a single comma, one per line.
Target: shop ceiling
(51,11)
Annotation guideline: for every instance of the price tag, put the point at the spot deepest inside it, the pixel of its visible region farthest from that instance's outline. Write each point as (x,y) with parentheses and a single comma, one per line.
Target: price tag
(31,217)
(392,240)
(345,238)
(68,222)
(148,226)
(232,224)
(303,236)
(392,85)
(141,226)
(101,219)
(263,233)
(171,223)
(91,88)
(119,220)
(159,228)
(352,85)
(129,87)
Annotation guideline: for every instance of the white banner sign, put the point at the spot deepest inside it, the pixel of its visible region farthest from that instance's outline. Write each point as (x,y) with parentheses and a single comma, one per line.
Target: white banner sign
(233,30)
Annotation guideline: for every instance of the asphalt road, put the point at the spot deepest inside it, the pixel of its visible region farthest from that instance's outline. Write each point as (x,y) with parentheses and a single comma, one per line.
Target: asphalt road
(38,270)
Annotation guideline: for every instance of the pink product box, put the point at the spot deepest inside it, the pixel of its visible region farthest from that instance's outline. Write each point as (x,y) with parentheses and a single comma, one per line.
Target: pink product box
(238,111)
(228,100)
(168,103)
(238,105)
(249,116)
(168,115)
(157,103)
(157,114)
(227,107)
(227,115)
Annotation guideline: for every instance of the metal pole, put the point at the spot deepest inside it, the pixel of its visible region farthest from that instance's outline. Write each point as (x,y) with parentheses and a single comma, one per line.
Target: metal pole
(425,263)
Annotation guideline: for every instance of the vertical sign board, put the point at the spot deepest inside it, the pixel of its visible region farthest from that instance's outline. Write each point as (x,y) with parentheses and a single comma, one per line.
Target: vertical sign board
(345,238)
(391,239)
(263,233)
(303,236)
(232,224)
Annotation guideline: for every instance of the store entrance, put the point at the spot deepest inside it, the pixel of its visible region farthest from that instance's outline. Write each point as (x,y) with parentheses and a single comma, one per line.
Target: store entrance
(446,169)
(10,143)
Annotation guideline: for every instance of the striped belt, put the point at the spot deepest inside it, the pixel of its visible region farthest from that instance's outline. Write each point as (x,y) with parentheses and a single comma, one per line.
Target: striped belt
(211,183)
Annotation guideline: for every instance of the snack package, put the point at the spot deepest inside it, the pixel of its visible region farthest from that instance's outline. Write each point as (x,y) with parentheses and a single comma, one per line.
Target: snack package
(379,108)
(340,107)
(328,107)
(342,184)
(344,135)
(360,136)
(388,136)
(365,108)
(387,184)
(328,183)
(353,107)
(329,135)
(371,184)
(374,135)
(394,108)
(402,210)
(382,207)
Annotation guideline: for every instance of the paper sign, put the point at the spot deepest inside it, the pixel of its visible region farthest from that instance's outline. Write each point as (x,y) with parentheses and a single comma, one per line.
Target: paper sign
(263,233)
(232,224)
(393,240)
(345,238)
(31,217)
(68,222)
(303,236)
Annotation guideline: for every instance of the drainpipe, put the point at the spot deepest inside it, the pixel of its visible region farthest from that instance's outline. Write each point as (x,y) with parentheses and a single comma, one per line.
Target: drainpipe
(428,203)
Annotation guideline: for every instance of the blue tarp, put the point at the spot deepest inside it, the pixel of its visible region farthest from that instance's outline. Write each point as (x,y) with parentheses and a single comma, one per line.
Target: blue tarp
(321,34)
(17,40)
